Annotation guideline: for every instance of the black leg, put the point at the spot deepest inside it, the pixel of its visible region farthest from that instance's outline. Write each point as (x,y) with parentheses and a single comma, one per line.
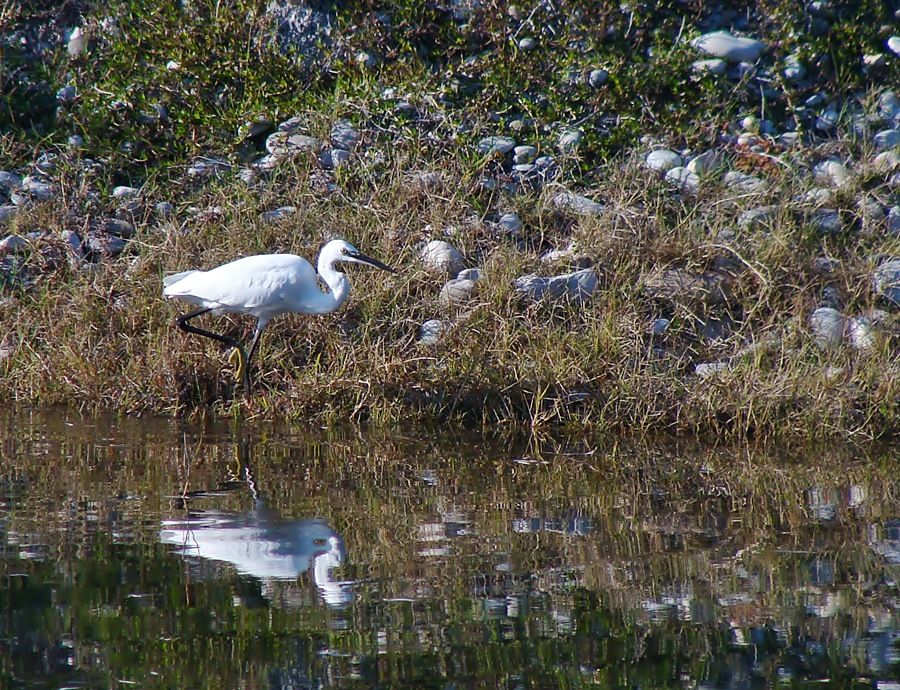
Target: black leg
(183,324)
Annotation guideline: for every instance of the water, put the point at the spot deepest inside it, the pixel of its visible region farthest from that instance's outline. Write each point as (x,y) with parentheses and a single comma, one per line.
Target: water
(152,554)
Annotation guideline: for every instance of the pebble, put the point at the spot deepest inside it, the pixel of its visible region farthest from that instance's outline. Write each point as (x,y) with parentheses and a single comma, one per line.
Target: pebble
(527,44)
(832,173)
(861,333)
(496,145)
(442,256)
(248,176)
(457,291)
(37,189)
(510,223)
(756,218)
(164,209)
(7,213)
(684,179)
(659,327)
(722,44)
(75,245)
(744,183)
(344,135)
(707,370)
(207,167)
(794,70)
(284,143)
(893,221)
(577,204)
(67,94)
(705,163)
(9,181)
(886,281)
(827,221)
(108,245)
(575,287)
(524,154)
(663,160)
(339,158)
(12,244)
(431,331)
(715,66)
(366,59)
(120,228)
(827,327)
(570,141)
(887,139)
(278,214)
(893,44)
(681,286)
(597,78)
(77,42)
(470,274)
(76,141)
(886,161)
(828,120)
(123,192)
(874,61)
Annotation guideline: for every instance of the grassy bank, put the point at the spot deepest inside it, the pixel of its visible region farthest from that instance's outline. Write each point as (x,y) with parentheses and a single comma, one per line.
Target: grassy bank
(97,333)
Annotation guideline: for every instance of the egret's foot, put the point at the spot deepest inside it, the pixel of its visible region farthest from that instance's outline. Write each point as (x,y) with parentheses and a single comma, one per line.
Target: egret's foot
(238,354)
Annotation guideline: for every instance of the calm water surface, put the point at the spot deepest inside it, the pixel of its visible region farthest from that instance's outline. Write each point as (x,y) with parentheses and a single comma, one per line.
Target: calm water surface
(157,554)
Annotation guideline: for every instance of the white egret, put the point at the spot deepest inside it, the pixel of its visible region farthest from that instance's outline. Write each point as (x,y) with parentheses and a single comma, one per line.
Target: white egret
(264,286)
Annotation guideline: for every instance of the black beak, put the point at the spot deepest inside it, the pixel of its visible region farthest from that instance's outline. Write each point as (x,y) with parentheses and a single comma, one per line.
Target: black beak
(368,260)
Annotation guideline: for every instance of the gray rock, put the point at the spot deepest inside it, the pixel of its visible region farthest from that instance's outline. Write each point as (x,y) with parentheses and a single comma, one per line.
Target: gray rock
(527,44)
(344,135)
(893,221)
(76,141)
(818,196)
(832,173)
(684,179)
(887,139)
(76,43)
(576,204)
(570,141)
(827,327)
(302,28)
(107,245)
(286,144)
(874,61)
(164,209)
(886,161)
(367,59)
(67,94)
(202,168)
(707,370)
(431,331)
(339,158)
(74,244)
(457,291)
(470,274)
(828,120)
(663,160)
(794,70)
(278,214)
(123,192)
(248,176)
(597,78)
(893,44)
(722,44)
(120,228)
(715,66)
(886,281)
(9,182)
(574,287)
(37,189)
(7,213)
(680,286)
(743,183)
(659,327)
(524,154)
(426,181)
(888,105)
(13,244)
(756,218)
(827,221)
(496,145)
(706,163)
(510,223)
(442,256)
(789,139)
(262,164)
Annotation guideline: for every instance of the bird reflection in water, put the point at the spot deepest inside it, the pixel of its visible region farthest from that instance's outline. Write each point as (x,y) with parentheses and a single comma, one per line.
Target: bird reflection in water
(261,543)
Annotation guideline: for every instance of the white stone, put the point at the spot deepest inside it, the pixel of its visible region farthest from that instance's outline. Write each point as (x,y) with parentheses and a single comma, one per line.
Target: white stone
(430,332)
(861,333)
(496,145)
(278,214)
(715,66)
(722,44)
(577,204)
(707,370)
(886,161)
(576,287)
(123,192)
(569,141)
(743,183)
(705,163)
(756,217)
(286,144)
(597,78)
(77,42)
(832,173)
(663,160)
(457,291)
(684,179)
(12,244)
(442,256)
(886,281)
(511,223)
(827,326)
(893,44)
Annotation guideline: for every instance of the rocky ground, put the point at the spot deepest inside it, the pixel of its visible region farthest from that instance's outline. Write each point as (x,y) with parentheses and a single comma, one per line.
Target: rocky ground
(703,194)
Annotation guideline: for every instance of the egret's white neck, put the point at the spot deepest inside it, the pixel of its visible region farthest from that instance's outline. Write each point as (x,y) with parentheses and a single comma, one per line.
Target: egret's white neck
(338,285)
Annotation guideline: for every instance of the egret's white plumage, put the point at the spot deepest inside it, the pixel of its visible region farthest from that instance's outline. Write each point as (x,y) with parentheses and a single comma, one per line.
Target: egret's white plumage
(264,286)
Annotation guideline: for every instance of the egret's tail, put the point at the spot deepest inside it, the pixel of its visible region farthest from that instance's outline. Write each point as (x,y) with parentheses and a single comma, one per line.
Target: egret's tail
(174,278)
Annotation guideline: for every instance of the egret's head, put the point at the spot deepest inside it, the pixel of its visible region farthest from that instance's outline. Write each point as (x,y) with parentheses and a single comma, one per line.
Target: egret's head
(339,250)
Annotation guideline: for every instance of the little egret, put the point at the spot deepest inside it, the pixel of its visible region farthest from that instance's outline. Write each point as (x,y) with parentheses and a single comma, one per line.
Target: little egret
(264,286)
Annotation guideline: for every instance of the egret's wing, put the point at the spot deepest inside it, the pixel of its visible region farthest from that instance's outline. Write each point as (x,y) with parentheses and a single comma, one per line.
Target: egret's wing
(175,277)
